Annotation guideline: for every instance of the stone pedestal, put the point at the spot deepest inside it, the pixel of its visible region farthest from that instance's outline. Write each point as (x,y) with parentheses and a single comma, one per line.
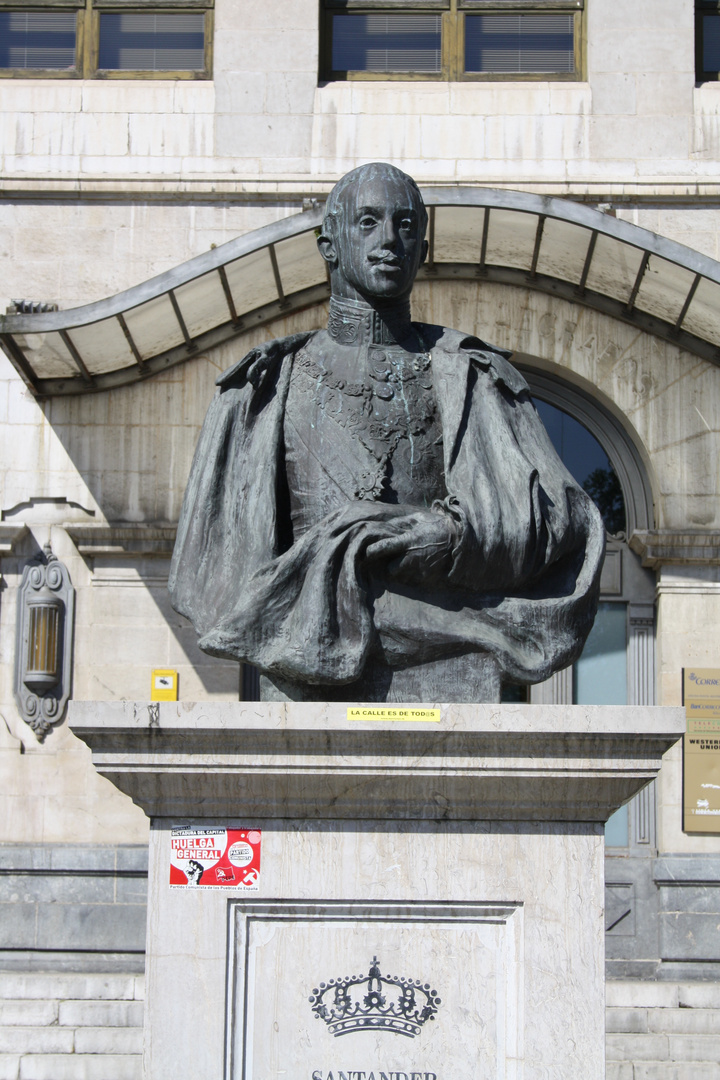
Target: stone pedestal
(429,904)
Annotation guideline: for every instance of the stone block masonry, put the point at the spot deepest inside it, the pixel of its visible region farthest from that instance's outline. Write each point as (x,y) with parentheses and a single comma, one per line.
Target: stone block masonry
(662,1031)
(57,1026)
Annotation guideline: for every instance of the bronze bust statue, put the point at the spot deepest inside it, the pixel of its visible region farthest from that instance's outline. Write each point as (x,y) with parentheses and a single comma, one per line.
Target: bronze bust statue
(375,511)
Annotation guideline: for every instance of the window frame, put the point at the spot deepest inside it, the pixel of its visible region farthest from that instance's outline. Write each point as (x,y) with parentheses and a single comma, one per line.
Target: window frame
(453,13)
(87,39)
(702,8)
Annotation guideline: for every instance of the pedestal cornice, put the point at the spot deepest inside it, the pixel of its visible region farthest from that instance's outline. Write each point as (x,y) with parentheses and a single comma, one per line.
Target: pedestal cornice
(308,761)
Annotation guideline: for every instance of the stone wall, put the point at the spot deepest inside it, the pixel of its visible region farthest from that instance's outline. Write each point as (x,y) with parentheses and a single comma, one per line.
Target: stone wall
(73,907)
(662,1032)
(636,124)
(71,1026)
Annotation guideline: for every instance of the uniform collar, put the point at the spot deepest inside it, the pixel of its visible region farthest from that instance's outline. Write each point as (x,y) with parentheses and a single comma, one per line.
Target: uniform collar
(354,322)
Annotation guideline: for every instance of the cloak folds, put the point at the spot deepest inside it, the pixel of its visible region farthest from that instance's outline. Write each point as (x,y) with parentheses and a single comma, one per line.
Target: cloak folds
(524,581)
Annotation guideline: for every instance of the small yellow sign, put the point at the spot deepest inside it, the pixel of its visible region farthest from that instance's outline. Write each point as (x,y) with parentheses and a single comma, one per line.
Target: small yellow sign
(164,686)
(369,712)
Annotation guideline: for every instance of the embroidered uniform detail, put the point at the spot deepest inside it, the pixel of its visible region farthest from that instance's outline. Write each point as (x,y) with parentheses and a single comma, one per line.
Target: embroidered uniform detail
(393,413)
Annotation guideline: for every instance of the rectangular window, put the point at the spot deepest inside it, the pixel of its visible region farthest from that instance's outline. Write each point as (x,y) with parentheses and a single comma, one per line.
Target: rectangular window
(616,828)
(451,39)
(600,675)
(520,44)
(41,40)
(138,41)
(107,39)
(386,43)
(707,40)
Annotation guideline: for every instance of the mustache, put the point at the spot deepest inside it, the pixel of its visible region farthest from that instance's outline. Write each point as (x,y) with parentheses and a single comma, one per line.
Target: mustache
(389,258)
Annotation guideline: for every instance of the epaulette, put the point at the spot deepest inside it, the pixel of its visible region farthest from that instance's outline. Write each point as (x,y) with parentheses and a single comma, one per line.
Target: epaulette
(491,359)
(500,369)
(260,360)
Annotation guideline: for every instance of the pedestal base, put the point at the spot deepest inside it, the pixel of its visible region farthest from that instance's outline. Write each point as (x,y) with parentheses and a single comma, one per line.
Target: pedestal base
(430,895)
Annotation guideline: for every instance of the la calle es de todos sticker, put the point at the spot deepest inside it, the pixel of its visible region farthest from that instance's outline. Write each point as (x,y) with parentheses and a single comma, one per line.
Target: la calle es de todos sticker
(214,858)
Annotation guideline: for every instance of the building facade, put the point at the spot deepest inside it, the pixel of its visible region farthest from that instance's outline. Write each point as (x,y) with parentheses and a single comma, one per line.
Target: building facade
(163,168)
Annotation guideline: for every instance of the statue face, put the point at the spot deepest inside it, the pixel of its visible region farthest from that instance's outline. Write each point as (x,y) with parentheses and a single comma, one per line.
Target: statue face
(379,244)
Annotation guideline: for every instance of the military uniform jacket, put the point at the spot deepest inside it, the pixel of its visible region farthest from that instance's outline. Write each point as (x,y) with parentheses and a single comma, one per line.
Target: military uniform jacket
(524,579)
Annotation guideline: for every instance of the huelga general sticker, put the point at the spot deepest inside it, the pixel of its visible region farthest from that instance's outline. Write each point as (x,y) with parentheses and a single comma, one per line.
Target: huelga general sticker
(214,858)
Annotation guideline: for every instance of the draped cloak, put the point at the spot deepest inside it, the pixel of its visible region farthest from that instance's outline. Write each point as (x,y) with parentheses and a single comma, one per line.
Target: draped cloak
(524,580)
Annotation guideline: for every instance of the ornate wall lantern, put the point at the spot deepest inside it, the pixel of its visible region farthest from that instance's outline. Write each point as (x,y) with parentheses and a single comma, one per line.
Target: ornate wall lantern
(43,648)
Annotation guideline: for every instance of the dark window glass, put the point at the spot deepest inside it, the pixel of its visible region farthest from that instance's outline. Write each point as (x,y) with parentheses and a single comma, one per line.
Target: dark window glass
(711,42)
(507,44)
(584,457)
(386,43)
(37,39)
(135,41)
(514,694)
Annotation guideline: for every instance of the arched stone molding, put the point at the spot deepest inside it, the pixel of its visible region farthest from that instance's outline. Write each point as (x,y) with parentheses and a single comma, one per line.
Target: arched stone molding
(558,247)
(664,398)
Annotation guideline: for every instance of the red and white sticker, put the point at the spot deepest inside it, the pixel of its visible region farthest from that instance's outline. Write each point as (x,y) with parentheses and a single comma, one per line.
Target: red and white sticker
(214,858)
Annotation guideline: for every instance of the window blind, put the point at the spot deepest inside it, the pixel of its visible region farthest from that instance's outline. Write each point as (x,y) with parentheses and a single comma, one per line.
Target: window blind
(711,42)
(386,43)
(506,44)
(37,39)
(139,41)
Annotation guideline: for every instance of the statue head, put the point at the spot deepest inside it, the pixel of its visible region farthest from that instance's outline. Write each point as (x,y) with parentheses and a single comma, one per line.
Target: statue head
(373,234)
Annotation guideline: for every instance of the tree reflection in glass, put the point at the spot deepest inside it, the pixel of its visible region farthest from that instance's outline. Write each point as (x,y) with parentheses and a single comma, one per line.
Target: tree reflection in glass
(586,460)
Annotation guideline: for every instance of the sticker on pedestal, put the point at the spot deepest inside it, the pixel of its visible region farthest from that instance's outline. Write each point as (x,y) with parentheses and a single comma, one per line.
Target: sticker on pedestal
(214,858)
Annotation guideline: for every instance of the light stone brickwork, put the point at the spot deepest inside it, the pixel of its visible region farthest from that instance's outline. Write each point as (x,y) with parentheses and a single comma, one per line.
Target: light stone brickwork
(637,124)
(71,1027)
(662,1031)
(72,253)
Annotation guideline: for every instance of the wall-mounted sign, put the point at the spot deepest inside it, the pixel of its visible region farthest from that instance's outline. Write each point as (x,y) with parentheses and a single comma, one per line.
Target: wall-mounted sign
(164,685)
(701,697)
(701,783)
(214,858)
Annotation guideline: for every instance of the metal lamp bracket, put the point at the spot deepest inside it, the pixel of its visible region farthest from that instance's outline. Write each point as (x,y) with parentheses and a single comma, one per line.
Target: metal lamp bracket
(43,644)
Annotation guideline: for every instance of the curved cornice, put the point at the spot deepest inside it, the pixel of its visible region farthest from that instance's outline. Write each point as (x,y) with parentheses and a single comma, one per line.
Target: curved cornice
(552,245)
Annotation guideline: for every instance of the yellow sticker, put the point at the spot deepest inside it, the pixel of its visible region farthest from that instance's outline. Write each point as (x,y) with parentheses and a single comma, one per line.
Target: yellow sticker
(369,712)
(164,685)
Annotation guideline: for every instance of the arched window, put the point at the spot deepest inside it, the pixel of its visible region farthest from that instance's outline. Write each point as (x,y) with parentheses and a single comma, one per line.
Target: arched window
(617,666)
(583,456)
(584,407)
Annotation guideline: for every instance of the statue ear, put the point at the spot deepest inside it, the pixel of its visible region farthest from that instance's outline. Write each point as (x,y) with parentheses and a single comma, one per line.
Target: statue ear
(424,254)
(326,247)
